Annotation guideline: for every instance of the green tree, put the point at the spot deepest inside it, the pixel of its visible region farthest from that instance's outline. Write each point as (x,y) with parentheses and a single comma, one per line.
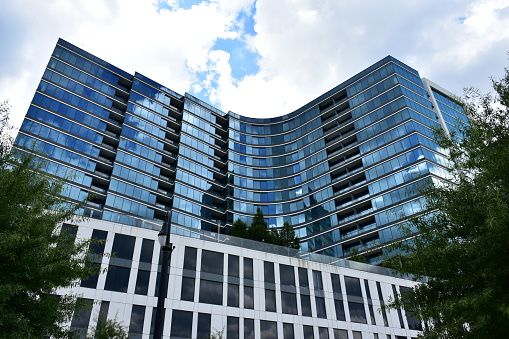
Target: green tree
(287,236)
(239,229)
(258,229)
(36,258)
(463,241)
(108,329)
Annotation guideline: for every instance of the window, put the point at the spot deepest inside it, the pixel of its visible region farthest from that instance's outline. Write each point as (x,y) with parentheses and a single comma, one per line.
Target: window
(340,334)
(123,246)
(117,279)
(317,279)
(147,249)
(187,291)
(320,307)
(232,327)
(81,316)
(233,295)
(270,300)
(353,286)
(97,247)
(233,265)
(305,302)
(336,284)
(308,332)
(142,282)
(268,270)
(303,277)
(248,268)
(340,310)
(248,297)
(357,313)
(137,318)
(190,258)
(287,275)
(268,329)
(288,332)
(289,302)
(181,324)
(323,333)
(249,332)
(357,335)
(203,331)
(380,296)
(212,262)
(211,292)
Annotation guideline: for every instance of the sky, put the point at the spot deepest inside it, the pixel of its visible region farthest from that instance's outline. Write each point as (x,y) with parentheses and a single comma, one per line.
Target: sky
(258,58)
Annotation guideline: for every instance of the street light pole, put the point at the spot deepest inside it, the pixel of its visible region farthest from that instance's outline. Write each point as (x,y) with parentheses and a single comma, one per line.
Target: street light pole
(166,249)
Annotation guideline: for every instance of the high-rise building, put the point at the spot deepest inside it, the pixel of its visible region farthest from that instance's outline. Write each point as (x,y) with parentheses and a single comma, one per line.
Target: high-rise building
(342,170)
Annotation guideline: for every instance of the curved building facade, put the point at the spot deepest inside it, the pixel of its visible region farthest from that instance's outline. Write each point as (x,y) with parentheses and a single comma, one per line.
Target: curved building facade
(343,170)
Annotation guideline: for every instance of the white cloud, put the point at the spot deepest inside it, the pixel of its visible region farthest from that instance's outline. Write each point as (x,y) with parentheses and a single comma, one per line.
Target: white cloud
(306,47)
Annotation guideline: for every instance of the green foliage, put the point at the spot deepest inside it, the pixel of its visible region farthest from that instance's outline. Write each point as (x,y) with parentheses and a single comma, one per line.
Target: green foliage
(258,228)
(217,334)
(239,229)
(258,231)
(464,235)
(35,257)
(108,329)
(355,256)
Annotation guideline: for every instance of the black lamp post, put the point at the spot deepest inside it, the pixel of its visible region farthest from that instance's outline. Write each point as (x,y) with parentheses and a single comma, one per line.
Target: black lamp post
(166,248)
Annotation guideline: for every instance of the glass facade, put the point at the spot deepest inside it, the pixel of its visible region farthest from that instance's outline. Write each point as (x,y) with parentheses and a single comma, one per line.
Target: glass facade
(342,170)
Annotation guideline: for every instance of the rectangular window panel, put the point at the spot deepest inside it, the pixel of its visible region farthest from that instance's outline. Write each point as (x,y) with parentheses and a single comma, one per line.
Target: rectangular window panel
(340,310)
(289,303)
(81,316)
(357,313)
(248,268)
(308,332)
(248,297)
(366,287)
(123,246)
(287,275)
(305,302)
(233,295)
(357,335)
(181,324)
(190,258)
(117,279)
(336,284)
(203,331)
(268,329)
(320,307)
(211,292)
(372,314)
(142,282)
(317,280)
(340,334)
(288,332)
(380,296)
(353,286)
(137,318)
(249,331)
(268,270)
(232,327)
(212,262)
(233,265)
(303,277)
(187,291)
(270,300)
(323,333)
(147,250)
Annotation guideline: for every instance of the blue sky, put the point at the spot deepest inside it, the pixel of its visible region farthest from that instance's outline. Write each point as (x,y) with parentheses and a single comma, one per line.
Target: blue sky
(258,58)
